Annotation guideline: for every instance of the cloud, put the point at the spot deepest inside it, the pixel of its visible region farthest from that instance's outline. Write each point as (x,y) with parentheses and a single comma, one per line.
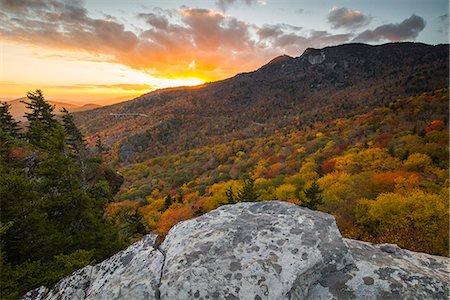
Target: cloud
(173,44)
(346,18)
(443,24)
(409,29)
(225,4)
(123,86)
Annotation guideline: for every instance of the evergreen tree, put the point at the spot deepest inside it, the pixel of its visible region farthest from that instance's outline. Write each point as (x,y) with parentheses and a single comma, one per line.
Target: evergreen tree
(54,225)
(231,197)
(99,145)
(76,143)
(167,202)
(74,137)
(313,196)
(248,192)
(7,122)
(41,118)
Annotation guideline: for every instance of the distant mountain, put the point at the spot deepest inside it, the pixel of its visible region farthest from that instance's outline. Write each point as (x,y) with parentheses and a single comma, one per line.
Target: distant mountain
(18,108)
(319,86)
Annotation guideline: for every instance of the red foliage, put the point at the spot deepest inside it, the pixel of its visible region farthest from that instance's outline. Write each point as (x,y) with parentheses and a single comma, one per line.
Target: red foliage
(382,140)
(328,165)
(436,125)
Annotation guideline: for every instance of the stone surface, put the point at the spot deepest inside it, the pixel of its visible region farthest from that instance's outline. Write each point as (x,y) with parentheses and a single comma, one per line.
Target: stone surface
(270,250)
(386,272)
(265,250)
(133,273)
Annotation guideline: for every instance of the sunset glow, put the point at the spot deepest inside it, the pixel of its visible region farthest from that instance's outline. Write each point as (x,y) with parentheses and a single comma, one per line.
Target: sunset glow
(87,52)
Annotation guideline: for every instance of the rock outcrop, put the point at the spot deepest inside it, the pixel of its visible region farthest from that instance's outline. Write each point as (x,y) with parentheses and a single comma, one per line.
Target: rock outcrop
(264,250)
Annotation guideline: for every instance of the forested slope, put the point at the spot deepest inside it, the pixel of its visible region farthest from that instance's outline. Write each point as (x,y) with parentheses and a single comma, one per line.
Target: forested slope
(319,86)
(384,175)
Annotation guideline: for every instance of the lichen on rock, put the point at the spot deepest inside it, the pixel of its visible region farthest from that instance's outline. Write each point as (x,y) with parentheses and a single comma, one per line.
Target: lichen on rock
(259,250)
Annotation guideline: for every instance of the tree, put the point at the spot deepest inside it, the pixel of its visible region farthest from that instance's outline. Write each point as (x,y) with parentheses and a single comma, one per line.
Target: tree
(313,196)
(415,220)
(41,118)
(75,141)
(7,122)
(99,145)
(74,137)
(168,202)
(54,226)
(231,197)
(286,192)
(248,192)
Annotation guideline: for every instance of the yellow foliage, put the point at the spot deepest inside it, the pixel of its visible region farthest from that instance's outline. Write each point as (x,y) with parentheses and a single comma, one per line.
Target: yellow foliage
(372,159)
(336,190)
(286,192)
(417,162)
(308,170)
(407,183)
(155,193)
(415,220)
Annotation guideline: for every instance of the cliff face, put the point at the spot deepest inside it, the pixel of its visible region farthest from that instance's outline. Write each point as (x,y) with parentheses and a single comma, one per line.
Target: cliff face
(264,250)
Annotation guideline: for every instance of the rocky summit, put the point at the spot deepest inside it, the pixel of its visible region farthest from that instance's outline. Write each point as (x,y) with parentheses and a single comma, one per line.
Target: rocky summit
(262,250)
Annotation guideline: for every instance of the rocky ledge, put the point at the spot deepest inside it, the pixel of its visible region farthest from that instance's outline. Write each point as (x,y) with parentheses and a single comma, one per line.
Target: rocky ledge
(263,250)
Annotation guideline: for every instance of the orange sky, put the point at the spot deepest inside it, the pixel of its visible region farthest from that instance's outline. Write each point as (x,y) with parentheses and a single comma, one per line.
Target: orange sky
(107,51)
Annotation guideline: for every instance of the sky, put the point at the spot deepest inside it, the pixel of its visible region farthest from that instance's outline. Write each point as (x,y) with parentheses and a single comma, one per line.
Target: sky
(107,51)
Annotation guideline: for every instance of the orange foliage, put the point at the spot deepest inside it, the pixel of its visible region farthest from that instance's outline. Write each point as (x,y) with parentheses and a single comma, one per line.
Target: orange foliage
(175,214)
(435,125)
(387,181)
(19,153)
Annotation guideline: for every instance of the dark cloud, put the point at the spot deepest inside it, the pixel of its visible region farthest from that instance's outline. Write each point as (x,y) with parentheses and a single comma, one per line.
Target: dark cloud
(20,6)
(409,29)
(225,4)
(157,21)
(344,17)
(443,24)
(273,31)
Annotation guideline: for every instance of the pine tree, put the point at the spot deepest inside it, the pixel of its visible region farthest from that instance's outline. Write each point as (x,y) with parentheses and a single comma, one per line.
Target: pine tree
(55,225)
(167,202)
(74,137)
(76,143)
(231,197)
(248,192)
(7,122)
(313,196)
(99,145)
(41,118)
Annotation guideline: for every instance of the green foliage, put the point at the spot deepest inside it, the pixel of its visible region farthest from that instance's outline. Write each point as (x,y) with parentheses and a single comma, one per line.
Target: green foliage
(248,192)
(231,197)
(52,223)
(313,196)
(168,202)
(7,123)
(41,119)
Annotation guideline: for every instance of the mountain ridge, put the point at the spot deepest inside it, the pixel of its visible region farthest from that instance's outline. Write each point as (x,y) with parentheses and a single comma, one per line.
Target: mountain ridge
(18,108)
(319,85)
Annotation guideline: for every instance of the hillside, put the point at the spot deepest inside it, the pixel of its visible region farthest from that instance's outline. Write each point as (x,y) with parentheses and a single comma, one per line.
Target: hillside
(319,86)
(383,175)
